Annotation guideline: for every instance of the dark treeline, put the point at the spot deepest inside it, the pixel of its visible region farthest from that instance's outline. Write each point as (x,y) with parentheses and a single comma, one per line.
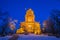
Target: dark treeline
(53,23)
(4,24)
(55,17)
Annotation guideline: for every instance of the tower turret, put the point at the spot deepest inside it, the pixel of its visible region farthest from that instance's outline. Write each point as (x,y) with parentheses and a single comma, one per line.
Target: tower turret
(30,17)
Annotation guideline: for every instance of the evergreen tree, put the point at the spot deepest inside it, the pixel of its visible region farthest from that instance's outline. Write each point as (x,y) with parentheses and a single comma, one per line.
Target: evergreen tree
(3,23)
(55,19)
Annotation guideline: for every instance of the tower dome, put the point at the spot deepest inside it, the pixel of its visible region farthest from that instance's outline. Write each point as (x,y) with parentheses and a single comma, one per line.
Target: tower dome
(29,15)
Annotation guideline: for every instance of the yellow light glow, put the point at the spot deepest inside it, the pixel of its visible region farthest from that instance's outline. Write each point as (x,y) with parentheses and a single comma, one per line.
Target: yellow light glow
(29,24)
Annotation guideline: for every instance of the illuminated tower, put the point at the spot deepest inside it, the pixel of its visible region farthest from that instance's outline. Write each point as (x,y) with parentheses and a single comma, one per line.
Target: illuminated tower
(29,25)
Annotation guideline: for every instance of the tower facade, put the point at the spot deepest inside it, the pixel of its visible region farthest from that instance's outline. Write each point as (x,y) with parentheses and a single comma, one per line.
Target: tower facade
(29,25)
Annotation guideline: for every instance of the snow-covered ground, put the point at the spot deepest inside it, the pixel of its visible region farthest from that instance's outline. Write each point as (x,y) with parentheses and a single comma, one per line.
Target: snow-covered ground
(30,37)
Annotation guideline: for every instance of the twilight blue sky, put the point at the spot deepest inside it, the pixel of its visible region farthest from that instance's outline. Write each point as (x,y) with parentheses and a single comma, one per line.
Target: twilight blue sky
(41,8)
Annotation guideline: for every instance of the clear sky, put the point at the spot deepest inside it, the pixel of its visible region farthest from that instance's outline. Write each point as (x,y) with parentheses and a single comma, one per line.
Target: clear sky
(41,8)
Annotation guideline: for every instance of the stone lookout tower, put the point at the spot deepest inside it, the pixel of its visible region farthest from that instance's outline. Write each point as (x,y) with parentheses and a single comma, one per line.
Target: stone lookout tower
(29,25)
